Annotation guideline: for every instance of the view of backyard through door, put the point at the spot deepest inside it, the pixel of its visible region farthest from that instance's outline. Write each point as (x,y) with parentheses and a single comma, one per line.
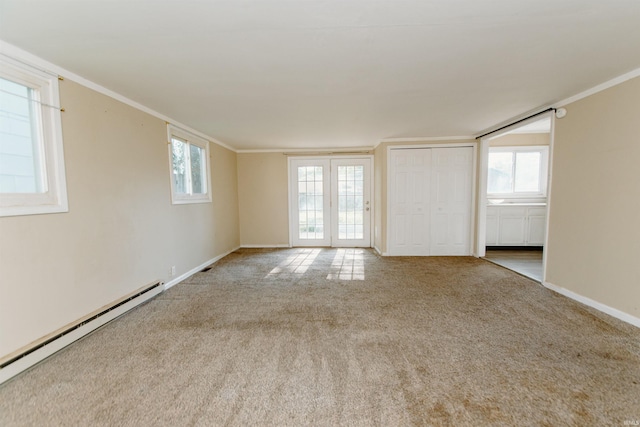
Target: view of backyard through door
(330,201)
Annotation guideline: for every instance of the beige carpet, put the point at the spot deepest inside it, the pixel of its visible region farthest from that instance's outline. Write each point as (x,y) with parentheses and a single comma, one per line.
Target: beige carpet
(342,337)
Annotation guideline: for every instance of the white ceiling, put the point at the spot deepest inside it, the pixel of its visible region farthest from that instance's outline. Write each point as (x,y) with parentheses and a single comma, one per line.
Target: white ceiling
(262,74)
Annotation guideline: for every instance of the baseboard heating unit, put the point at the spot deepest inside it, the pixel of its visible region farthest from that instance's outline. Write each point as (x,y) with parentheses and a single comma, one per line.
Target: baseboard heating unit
(26,357)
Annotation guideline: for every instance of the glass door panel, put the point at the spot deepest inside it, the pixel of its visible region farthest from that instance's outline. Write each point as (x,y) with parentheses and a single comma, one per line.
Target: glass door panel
(310,199)
(310,202)
(351,203)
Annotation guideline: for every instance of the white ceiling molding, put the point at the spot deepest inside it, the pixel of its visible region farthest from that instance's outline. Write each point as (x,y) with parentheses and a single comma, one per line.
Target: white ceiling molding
(591,91)
(427,139)
(20,55)
(599,88)
(341,150)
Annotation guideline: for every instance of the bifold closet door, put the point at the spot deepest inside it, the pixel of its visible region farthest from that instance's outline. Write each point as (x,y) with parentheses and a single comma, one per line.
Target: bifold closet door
(429,198)
(451,181)
(409,198)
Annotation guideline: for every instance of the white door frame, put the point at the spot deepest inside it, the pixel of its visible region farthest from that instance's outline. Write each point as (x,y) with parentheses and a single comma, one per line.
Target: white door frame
(483,166)
(474,174)
(292,203)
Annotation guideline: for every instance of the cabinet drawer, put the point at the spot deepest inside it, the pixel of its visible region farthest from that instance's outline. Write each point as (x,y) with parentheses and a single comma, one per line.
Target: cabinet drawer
(537,211)
(518,211)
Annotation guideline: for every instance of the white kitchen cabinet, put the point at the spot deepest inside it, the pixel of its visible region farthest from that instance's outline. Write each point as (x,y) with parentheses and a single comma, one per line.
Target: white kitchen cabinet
(536,224)
(512,226)
(516,225)
(492,227)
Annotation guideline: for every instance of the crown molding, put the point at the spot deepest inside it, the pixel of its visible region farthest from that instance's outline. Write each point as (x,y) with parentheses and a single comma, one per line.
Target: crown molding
(599,88)
(323,151)
(559,104)
(23,56)
(427,139)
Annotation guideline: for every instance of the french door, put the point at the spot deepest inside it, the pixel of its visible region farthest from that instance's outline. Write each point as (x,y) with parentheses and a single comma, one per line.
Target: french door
(330,202)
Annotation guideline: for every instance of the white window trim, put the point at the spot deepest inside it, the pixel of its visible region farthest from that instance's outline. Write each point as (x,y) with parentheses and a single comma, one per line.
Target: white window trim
(544,167)
(53,199)
(189,138)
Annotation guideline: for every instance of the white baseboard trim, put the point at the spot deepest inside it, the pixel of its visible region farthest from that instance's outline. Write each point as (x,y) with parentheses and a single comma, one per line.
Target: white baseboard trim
(614,312)
(197,269)
(31,359)
(278,246)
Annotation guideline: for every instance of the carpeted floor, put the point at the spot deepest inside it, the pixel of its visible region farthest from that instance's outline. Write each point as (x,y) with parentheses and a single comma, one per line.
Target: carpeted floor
(342,337)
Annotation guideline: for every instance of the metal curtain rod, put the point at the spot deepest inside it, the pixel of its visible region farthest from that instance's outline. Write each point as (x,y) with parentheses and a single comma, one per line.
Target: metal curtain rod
(325,153)
(31,100)
(516,122)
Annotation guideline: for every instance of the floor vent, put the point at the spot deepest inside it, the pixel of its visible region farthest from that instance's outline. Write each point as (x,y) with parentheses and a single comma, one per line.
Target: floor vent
(60,339)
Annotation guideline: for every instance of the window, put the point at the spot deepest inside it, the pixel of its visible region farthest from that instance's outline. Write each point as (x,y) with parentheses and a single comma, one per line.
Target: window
(32,177)
(189,160)
(518,171)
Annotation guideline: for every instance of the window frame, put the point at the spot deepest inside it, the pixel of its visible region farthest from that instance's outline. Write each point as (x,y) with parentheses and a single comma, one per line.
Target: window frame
(544,170)
(53,198)
(189,139)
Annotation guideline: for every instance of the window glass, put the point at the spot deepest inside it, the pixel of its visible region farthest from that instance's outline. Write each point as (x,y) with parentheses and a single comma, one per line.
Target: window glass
(517,171)
(179,166)
(500,173)
(190,173)
(20,140)
(527,172)
(198,175)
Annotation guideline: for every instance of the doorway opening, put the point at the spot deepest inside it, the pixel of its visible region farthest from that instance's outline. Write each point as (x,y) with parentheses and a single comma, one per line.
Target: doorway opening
(330,201)
(515,197)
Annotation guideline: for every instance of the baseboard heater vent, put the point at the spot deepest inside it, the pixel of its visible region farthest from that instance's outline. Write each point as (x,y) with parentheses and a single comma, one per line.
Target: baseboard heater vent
(25,358)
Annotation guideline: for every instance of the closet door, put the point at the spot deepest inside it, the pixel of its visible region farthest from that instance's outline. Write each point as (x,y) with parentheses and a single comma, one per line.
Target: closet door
(429,201)
(451,201)
(409,201)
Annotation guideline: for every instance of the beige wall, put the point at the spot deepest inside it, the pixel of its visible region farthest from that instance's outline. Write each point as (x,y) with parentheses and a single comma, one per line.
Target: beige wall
(121,231)
(263,199)
(594,236)
(380,197)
